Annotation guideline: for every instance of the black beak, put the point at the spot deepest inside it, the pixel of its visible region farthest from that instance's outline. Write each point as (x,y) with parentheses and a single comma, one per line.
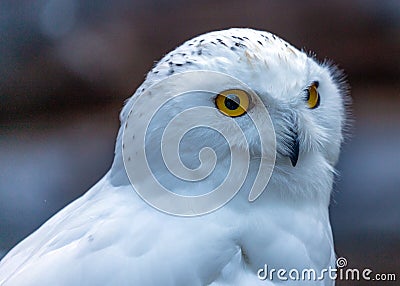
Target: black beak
(290,144)
(294,150)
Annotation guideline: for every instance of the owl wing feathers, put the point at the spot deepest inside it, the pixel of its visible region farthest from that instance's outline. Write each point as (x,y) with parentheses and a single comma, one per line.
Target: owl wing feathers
(110,236)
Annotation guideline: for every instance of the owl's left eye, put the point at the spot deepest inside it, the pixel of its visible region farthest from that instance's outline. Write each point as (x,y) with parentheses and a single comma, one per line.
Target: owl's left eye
(232,102)
(313,99)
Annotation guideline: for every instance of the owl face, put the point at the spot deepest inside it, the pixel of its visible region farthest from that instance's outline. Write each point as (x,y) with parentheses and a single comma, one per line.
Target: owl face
(305,101)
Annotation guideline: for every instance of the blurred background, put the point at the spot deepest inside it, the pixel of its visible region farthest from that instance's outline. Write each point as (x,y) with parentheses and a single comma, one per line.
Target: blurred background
(66,67)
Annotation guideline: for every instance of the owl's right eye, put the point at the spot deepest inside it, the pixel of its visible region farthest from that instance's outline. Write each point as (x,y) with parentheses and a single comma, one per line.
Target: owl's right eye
(232,102)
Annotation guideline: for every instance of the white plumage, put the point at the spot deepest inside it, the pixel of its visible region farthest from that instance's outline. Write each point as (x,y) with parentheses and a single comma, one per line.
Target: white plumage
(110,236)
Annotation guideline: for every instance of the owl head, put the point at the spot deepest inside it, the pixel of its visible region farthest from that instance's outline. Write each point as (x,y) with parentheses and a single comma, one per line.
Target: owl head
(305,100)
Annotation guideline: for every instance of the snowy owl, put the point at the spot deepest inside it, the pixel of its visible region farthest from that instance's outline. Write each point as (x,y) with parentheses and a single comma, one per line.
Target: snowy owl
(222,175)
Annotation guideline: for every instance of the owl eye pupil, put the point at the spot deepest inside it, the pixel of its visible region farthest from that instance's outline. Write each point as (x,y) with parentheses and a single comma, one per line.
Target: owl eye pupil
(232,102)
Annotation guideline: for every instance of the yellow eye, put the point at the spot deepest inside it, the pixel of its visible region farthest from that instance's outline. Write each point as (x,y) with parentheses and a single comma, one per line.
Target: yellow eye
(232,102)
(313,96)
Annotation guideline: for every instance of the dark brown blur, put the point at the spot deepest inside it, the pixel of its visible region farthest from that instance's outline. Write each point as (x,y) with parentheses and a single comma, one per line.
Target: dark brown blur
(66,66)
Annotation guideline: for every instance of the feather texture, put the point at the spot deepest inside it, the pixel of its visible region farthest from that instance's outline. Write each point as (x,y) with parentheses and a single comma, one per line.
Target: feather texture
(110,236)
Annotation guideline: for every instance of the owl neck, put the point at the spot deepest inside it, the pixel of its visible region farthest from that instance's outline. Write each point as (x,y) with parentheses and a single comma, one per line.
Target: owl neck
(118,176)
